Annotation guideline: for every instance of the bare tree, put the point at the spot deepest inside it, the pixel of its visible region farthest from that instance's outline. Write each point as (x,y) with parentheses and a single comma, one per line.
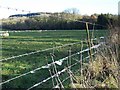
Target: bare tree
(72,11)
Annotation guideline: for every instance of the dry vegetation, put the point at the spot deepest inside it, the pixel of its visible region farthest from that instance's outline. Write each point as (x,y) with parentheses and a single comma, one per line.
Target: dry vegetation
(103,70)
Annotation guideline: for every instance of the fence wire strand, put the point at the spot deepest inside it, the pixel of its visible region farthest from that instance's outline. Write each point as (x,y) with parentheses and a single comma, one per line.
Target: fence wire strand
(48,65)
(54,63)
(58,73)
(35,52)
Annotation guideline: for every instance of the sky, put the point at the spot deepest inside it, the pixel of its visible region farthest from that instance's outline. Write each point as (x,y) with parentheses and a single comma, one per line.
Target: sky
(84,6)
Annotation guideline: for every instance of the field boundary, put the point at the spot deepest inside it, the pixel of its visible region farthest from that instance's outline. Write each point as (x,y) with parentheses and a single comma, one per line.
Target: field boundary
(39,51)
(58,62)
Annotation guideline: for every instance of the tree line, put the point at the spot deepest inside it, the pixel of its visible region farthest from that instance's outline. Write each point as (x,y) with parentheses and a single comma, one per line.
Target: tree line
(59,21)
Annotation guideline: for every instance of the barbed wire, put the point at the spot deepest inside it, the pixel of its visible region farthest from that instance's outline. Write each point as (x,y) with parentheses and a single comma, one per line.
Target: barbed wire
(89,23)
(47,66)
(77,70)
(45,80)
(16,9)
(58,73)
(39,51)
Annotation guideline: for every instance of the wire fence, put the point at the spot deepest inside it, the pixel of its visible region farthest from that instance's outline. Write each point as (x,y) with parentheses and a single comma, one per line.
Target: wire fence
(57,62)
(31,53)
(39,51)
(57,71)
(53,64)
(26,11)
(57,74)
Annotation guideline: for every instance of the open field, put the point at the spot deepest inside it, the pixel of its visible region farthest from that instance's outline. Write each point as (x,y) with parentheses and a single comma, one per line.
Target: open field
(25,42)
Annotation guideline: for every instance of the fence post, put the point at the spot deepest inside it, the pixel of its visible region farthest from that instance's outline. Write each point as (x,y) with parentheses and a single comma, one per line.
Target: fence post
(119,43)
(89,41)
(69,54)
(0,55)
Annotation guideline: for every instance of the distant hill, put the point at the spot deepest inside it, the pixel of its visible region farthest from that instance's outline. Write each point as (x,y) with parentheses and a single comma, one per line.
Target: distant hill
(31,14)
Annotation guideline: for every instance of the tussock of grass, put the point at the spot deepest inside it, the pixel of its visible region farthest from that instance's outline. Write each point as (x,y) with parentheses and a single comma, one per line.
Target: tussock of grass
(103,71)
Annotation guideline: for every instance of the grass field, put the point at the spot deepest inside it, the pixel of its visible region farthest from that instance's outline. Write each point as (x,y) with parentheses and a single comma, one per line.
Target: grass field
(24,42)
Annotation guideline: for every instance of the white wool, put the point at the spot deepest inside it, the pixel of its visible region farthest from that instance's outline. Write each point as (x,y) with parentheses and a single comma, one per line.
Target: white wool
(59,62)
(57,86)
(4,34)
(101,37)
(45,66)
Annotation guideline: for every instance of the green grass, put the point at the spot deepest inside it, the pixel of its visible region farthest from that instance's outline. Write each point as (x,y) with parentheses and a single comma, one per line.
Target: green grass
(24,42)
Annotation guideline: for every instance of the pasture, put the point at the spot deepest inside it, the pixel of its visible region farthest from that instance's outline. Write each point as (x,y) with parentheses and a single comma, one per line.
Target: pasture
(19,43)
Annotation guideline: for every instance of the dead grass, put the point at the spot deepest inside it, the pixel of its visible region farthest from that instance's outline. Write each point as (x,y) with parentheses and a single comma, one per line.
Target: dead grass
(103,71)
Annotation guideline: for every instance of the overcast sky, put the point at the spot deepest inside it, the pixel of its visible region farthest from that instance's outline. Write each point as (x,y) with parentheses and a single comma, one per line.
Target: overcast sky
(85,6)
